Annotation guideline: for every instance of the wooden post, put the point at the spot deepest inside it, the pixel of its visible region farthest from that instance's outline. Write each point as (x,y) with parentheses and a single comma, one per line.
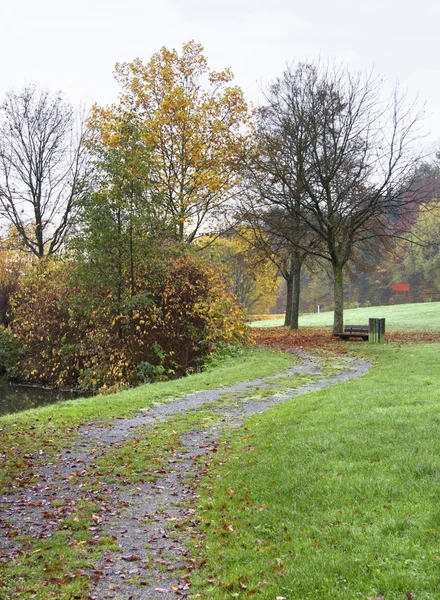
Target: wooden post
(376,331)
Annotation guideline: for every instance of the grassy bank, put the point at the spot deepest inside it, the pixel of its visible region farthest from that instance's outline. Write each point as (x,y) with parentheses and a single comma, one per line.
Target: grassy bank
(333,494)
(249,364)
(424,316)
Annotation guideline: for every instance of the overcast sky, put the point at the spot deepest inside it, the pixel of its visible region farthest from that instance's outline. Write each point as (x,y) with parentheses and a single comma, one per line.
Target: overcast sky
(73,46)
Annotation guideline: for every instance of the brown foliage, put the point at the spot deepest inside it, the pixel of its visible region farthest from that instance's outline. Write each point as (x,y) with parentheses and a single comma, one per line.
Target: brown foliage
(79,335)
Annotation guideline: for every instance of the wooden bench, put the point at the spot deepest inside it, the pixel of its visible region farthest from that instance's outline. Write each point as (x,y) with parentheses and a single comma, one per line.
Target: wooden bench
(351,331)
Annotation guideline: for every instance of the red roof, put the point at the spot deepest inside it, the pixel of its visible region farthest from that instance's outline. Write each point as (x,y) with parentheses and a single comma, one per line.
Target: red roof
(400,287)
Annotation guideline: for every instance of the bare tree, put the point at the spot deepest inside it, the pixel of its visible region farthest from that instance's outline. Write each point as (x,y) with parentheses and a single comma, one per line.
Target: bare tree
(273,209)
(42,167)
(339,159)
(277,235)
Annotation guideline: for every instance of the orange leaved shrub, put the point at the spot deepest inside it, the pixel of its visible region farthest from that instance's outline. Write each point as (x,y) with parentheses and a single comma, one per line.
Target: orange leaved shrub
(77,334)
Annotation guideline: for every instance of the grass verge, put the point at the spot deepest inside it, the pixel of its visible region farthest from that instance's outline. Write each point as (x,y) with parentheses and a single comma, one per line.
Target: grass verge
(333,494)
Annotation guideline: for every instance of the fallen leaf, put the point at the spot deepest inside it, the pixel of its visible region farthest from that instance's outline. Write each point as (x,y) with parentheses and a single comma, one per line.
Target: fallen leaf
(131,557)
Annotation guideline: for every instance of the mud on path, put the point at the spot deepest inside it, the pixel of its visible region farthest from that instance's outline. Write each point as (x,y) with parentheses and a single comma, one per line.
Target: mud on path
(150,522)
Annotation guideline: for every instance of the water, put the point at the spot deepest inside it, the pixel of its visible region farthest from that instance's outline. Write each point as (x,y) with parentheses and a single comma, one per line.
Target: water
(14,398)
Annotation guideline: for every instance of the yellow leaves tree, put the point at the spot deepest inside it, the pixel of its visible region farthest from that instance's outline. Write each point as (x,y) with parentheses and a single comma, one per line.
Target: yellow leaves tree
(421,267)
(13,264)
(192,118)
(252,277)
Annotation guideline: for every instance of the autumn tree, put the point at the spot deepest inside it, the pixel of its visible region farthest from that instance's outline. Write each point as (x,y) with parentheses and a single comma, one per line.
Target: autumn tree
(343,156)
(191,118)
(421,265)
(42,168)
(252,276)
(118,226)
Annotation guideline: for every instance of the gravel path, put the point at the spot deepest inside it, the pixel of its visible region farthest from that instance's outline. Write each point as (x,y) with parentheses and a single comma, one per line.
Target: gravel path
(150,522)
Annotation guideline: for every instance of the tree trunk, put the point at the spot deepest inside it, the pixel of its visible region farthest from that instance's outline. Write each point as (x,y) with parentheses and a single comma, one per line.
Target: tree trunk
(119,283)
(289,281)
(132,282)
(39,235)
(338,295)
(293,280)
(296,283)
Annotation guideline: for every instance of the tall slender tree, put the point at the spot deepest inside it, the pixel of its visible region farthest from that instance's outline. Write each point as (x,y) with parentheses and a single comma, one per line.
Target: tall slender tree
(273,209)
(119,225)
(191,118)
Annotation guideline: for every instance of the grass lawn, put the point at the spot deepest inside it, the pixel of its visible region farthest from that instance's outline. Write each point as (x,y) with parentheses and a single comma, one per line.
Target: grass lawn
(59,566)
(425,316)
(332,495)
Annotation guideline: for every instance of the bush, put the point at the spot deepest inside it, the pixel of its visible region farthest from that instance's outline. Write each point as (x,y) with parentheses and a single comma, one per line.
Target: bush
(11,354)
(12,267)
(47,327)
(77,334)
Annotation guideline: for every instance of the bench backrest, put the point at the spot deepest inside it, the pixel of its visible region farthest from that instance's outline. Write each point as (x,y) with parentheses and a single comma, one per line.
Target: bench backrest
(356,328)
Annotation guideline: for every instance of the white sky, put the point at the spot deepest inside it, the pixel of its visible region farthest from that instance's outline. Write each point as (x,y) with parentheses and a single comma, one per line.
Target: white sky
(73,47)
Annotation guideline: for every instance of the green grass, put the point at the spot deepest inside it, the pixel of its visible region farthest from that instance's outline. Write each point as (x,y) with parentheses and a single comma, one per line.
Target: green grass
(52,427)
(332,495)
(424,316)
(60,565)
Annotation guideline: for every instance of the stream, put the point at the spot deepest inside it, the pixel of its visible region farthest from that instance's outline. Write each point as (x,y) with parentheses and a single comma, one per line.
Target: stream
(15,398)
